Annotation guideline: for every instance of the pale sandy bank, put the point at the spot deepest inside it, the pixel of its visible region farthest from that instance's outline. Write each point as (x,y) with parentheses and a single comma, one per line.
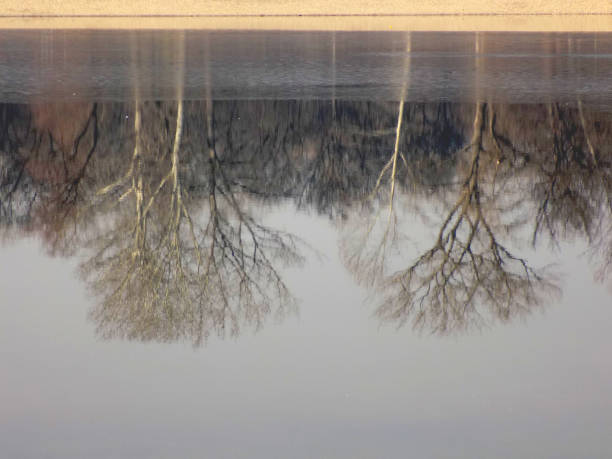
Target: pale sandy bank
(295,7)
(519,15)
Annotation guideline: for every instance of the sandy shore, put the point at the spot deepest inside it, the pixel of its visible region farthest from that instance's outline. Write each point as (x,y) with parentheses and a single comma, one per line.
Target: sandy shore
(296,7)
(498,15)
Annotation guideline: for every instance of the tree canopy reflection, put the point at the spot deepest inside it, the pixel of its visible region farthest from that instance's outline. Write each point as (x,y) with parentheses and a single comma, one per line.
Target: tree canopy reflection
(468,276)
(160,200)
(178,263)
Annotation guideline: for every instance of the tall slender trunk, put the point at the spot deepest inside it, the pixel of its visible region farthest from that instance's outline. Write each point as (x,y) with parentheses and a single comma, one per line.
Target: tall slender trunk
(400,116)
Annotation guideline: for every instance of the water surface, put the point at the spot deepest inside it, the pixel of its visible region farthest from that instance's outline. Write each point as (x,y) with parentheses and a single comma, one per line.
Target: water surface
(104,65)
(305,245)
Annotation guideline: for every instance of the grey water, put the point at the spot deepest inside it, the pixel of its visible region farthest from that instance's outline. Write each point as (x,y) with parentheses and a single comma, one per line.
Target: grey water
(102,65)
(275,244)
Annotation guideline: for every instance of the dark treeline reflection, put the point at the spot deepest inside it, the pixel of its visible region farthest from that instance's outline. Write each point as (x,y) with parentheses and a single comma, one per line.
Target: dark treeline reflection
(160,201)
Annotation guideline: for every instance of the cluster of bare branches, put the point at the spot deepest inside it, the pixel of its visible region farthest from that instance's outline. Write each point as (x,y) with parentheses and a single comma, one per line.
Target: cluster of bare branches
(43,170)
(178,255)
(169,270)
(573,182)
(468,277)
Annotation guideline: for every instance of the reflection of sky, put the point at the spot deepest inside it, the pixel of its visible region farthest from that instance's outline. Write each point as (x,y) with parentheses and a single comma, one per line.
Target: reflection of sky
(331,383)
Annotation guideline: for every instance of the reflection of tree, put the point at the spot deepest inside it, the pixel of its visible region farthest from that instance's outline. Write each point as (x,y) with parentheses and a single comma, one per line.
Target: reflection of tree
(160,192)
(338,168)
(167,270)
(573,180)
(369,265)
(468,276)
(65,175)
(16,190)
(45,159)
